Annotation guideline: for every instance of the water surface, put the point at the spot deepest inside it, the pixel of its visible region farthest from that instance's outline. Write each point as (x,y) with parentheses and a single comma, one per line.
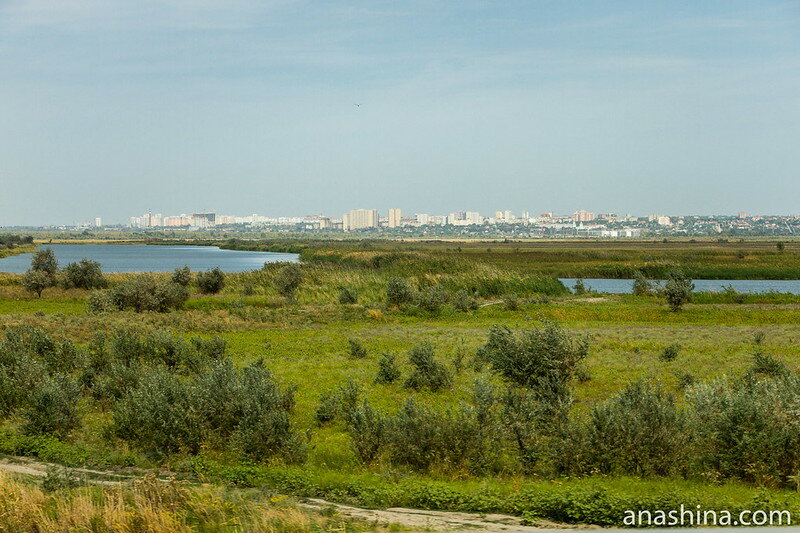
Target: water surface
(154,258)
(747,286)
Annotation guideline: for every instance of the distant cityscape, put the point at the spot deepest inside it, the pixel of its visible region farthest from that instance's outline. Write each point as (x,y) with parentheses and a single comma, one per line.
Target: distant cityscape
(581,223)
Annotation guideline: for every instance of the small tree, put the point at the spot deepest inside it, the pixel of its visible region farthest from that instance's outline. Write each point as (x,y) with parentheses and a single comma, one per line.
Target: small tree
(641,285)
(580,287)
(36,281)
(288,281)
(45,261)
(210,282)
(182,276)
(85,274)
(678,290)
(399,291)
(780,246)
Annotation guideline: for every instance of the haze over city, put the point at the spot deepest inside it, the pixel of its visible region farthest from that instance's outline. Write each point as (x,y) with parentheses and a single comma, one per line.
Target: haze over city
(287,108)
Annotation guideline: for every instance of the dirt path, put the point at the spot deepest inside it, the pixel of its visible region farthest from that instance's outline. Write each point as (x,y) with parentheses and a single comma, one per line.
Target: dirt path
(407,518)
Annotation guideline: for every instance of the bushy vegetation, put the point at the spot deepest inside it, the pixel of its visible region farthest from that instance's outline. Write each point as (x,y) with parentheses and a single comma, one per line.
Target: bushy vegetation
(85,274)
(182,276)
(209,282)
(142,293)
(288,281)
(427,372)
(678,290)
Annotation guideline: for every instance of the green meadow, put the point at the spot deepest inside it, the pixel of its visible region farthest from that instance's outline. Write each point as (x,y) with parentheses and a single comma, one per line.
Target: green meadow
(306,340)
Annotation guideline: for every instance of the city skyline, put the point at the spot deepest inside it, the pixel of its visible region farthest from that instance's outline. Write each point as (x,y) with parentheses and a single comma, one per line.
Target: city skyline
(286,107)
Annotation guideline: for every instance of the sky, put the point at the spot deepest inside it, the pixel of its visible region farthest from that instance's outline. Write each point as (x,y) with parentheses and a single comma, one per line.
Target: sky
(113,108)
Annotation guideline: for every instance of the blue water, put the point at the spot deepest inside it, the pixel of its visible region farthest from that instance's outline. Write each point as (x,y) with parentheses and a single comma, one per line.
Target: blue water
(144,258)
(748,286)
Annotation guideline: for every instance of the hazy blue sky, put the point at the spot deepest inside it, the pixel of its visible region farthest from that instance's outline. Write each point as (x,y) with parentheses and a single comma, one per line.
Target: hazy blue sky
(110,108)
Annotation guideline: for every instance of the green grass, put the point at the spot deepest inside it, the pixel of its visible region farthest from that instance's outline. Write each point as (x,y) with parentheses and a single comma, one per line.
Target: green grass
(307,344)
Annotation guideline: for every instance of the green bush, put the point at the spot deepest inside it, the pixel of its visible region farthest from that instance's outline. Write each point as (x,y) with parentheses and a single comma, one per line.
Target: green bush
(465,301)
(85,274)
(339,404)
(211,281)
(678,289)
(544,360)
(356,350)
(399,292)
(670,353)
(45,261)
(367,429)
(639,431)
(347,296)
(288,280)
(140,294)
(433,299)
(748,429)
(158,415)
(52,407)
(641,285)
(182,276)
(388,371)
(426,371)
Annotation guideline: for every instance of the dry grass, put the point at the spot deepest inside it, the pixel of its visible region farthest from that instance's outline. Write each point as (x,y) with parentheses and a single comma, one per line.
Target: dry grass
(151,505)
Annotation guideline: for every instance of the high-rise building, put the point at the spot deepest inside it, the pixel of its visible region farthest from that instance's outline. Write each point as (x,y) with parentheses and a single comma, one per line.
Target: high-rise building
(423,219)
(204,220)
(583,216)
(360,219)
(98,222)
(394,218)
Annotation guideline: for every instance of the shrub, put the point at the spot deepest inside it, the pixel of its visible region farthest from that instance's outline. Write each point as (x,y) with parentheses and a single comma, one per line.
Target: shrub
(36,281)
(678,290)
(422,438)
(767,365)
(433,299)
(542,359)
(101,302)
(670,353)
(211,281)
(511,302)
(264,429)
(143,293)
(399,292)
(367,430)
(749,429)
(388,371)
(182,276)
(356,349)
(639,432)
(580,287)
(465,301)
(339,403)
(347,296)
(641,285)
(288,280)
(158,415)
(53,407)
(85,274)
(427,372)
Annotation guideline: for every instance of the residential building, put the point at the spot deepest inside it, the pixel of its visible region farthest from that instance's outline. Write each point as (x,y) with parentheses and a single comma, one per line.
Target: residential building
(395,216)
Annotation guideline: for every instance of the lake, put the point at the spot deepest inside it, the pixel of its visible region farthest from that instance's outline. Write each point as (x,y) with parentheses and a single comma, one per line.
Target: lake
(156,258)
(748,286)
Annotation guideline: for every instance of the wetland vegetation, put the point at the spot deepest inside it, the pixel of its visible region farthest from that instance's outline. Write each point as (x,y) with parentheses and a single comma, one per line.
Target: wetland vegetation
(433,375)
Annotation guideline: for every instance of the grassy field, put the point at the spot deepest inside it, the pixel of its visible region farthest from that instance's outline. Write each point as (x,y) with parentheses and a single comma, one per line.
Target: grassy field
(306,344)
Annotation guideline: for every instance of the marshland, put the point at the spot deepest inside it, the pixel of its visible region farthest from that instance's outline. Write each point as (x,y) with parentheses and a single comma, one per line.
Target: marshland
(457,376)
